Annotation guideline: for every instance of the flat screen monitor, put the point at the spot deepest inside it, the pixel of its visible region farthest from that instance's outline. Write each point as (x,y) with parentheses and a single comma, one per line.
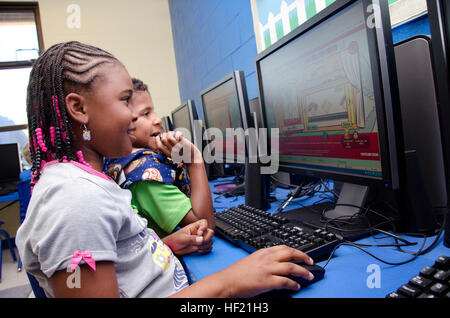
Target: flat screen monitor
(330,89)
(10,166)
(226,117)
(185,116)
(166,123)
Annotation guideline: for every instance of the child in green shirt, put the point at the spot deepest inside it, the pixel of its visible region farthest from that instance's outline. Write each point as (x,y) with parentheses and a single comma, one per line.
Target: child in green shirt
(166,193)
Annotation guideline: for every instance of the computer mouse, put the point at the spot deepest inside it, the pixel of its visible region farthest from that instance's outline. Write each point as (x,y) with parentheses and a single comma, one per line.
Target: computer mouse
(316,270)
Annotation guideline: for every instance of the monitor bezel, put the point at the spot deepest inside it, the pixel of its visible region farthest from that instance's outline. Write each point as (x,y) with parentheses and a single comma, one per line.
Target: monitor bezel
(192,112)
(167,121)
(238,78)
(386,96)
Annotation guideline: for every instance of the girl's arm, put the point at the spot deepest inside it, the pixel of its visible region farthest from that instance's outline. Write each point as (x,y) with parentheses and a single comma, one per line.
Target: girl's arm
(101,283)
(257,273)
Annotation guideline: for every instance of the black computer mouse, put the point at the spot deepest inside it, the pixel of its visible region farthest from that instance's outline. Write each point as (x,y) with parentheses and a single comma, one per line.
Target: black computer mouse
(316,270)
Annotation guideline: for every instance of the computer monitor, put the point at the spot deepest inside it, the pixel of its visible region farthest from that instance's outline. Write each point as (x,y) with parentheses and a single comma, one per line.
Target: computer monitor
(166,123)
(226,109)
(255,112)
(185,116)
(330,87)
(10,165)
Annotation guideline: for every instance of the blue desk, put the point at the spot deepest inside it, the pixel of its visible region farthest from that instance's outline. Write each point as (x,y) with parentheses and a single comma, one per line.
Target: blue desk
(13,196)
(348,272)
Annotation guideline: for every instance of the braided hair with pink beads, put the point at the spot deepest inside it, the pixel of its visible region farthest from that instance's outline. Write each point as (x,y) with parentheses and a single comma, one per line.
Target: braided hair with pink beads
(62,69)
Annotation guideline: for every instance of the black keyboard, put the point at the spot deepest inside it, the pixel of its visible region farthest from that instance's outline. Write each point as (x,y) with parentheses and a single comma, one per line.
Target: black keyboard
(253,229)
(431,282)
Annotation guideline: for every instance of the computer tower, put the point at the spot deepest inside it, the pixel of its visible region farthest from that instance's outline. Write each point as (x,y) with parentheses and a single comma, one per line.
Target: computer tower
(421,126)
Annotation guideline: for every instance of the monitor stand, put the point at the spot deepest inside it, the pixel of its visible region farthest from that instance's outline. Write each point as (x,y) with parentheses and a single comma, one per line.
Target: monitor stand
(337,218)
(351,199)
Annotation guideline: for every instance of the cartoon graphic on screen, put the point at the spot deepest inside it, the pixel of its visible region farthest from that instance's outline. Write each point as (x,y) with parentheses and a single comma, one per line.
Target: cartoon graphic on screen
(319,92)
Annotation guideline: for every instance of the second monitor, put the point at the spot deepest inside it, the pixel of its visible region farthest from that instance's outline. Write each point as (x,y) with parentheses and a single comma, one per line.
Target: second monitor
(185,116)
(227,120)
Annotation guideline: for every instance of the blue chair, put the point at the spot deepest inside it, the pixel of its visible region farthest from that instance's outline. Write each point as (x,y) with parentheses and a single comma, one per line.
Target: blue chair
(5,234)
(24,190)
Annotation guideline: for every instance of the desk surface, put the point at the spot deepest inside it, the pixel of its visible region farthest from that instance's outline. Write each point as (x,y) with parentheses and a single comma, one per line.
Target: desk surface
(13,196)
(351,273)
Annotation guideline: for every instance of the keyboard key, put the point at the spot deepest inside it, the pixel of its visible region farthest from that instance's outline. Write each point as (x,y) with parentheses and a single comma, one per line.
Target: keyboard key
(318,241)
(409,291)
(442,276)
(421,282)
(395,295)
(424,295)
(317,232)
(442,262)
(427,271)
(438,289)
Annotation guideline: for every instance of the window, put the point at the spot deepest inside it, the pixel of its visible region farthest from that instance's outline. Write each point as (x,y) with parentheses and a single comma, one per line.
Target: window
(21,43)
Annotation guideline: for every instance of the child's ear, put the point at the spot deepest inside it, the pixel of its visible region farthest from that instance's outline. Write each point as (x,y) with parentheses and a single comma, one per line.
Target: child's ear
(76,108)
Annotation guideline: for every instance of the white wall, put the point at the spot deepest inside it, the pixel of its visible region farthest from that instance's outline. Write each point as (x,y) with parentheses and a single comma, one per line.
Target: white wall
(137,32)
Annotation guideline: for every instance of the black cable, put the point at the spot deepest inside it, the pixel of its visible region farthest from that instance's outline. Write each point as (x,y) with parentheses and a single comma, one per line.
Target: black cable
(420,252)
(301,191)
(338,223)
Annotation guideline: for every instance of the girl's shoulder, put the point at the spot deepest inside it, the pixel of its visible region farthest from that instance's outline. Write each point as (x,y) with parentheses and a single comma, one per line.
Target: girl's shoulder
(70,192)
(72,177)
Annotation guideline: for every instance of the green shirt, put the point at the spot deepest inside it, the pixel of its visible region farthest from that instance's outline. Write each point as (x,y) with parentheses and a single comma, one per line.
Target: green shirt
(163,205)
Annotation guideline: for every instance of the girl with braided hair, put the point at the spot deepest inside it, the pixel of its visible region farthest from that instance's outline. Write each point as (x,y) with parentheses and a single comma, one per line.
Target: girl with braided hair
(78,219)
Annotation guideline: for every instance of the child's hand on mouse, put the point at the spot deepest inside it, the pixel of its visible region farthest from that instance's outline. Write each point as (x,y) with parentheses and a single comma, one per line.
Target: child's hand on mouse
(195,237)
(265,270)
(173,144)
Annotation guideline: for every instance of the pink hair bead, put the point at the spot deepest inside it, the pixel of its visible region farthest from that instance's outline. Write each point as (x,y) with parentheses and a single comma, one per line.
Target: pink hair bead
(40,139)
(52,135)
(81,159)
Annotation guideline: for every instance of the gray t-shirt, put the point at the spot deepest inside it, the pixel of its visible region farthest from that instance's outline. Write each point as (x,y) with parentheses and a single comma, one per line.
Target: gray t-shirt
(74,208)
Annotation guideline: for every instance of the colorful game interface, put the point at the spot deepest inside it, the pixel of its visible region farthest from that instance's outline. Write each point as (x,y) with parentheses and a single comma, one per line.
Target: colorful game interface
(222,112)
(318,90)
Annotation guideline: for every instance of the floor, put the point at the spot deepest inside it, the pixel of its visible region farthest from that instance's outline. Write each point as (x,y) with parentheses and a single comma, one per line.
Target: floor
(10,276)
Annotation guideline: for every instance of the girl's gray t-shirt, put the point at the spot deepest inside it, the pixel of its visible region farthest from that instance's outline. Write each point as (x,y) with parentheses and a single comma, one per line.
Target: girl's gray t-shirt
(74,208)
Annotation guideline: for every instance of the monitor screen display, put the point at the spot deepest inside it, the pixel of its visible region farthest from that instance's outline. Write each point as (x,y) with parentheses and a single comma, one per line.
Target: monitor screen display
(10,166)
(181,120)
(221,110)
(318,90)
